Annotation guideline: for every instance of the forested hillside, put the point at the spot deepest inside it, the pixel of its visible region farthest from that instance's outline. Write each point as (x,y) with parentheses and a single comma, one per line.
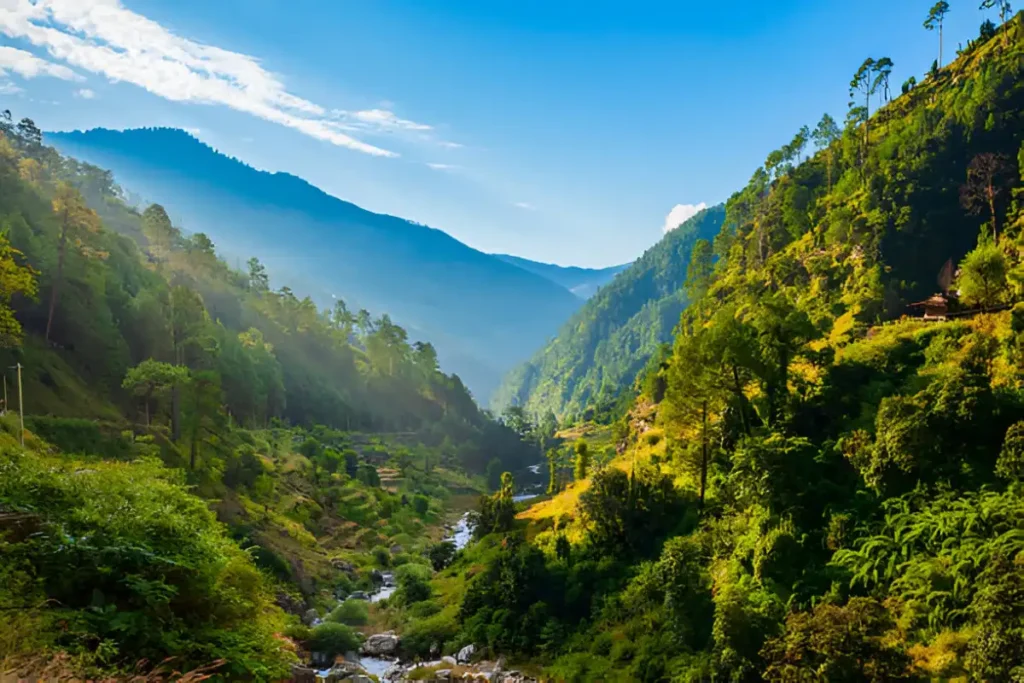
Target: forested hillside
(206,459)
(482,314)
(599,351)
(817,484)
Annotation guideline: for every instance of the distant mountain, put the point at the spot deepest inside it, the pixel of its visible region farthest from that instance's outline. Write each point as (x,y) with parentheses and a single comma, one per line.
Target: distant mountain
(606,343)
(583,282)
(482,313)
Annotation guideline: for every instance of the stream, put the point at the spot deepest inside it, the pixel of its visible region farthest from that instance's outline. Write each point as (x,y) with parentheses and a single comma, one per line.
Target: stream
(461,534)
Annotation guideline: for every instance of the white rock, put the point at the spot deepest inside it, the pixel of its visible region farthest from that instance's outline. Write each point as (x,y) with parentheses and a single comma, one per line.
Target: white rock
(381,644)
(449,660)
(466,653)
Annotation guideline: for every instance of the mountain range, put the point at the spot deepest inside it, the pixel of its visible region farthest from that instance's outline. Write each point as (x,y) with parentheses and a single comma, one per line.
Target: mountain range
(483,313)
(583,282)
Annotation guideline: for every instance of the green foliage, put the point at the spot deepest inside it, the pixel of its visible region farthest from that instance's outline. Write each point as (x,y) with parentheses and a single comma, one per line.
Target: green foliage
(1010,465)
(582,461)
(982,279)
(333,639)
(350,612)
(135,566)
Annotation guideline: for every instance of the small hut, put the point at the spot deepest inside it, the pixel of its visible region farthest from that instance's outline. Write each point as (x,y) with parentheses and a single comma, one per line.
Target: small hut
(935,307)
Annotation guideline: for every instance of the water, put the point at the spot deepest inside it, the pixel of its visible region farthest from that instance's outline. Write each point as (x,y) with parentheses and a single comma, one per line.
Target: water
(524,496)
(375,665)
(462,534)
(387,589)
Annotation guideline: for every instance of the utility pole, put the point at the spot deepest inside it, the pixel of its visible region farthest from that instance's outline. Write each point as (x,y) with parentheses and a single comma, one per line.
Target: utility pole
(21,406)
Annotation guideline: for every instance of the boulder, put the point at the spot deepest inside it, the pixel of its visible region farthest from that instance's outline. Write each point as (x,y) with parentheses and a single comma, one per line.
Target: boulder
(359,595)
(381,644)
(310,616)
(303,674)
(500,664)
(466,653)
(449,660)
(376,576)
(443,675)
(396,549)
(289,603)
(343,566)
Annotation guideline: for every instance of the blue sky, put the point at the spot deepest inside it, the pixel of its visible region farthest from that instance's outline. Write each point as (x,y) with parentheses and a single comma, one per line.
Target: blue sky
(558,130)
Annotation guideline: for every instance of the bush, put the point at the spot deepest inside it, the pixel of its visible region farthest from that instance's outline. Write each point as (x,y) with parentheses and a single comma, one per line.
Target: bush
(382,556)
(421,504)
(333,639)
(126,556)
(350,612)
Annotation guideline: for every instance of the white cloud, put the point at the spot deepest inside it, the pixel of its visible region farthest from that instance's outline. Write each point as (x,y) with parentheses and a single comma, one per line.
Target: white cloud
(525,205)
(8,88)
(27,65)
(387,119)
(681,213)
(442,167)
(103,37)
(86,94)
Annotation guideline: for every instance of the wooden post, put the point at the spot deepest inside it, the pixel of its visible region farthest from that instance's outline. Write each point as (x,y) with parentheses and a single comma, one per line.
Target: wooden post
(21,407)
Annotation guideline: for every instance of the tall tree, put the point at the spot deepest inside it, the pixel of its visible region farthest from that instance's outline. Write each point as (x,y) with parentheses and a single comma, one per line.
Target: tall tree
(259,281)
(863,83)
(936,17)
(150,379)
(986,179)
(824,136)
(77,220)
(883,70)
(698,273)
(1004,12)
(582,464)
(159,232)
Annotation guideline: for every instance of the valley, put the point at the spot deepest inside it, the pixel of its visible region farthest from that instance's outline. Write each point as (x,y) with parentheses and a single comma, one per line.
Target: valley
(753,454)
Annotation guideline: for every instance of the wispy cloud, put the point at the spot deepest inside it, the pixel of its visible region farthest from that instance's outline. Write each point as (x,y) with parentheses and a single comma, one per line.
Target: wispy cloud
(27,65)
(104,37)
(525,205)
(85,94)
(442,167)
(681,213)
(8,88)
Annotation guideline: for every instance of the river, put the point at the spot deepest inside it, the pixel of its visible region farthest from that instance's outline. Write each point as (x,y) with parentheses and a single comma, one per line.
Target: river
(461,534)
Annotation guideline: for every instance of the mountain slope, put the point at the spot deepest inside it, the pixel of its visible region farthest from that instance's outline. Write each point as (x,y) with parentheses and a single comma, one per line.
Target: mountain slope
(605,344)
(583,282)
(481,313)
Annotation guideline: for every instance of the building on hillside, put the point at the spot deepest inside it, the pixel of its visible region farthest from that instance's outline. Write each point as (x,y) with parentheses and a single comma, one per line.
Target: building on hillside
(936,307)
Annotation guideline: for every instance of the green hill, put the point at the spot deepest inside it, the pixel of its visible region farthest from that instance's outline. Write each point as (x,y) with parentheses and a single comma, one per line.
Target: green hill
(819,484)
(600,350)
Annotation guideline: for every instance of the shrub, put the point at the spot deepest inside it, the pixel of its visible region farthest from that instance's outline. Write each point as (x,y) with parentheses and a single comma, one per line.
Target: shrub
(350,612)
(333,639)
(382,556)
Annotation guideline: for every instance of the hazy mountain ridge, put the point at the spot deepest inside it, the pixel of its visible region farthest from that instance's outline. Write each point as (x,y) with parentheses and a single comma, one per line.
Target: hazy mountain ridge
(583,282)
(483,313)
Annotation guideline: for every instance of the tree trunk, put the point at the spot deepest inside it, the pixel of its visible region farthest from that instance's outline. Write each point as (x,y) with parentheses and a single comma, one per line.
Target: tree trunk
(193,452)
(990,191)
(61,251)
(740,398)
(704,456)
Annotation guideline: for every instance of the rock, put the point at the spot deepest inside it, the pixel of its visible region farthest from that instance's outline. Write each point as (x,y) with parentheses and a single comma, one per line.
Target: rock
(343,566)
(381,644)
(449,660)
(443,675)
(500,665)
(319,659)
(310,616)
(376,576)
(359,595)
(303,674)
(395,549)
(393,672)
(289,604)
(466,653)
